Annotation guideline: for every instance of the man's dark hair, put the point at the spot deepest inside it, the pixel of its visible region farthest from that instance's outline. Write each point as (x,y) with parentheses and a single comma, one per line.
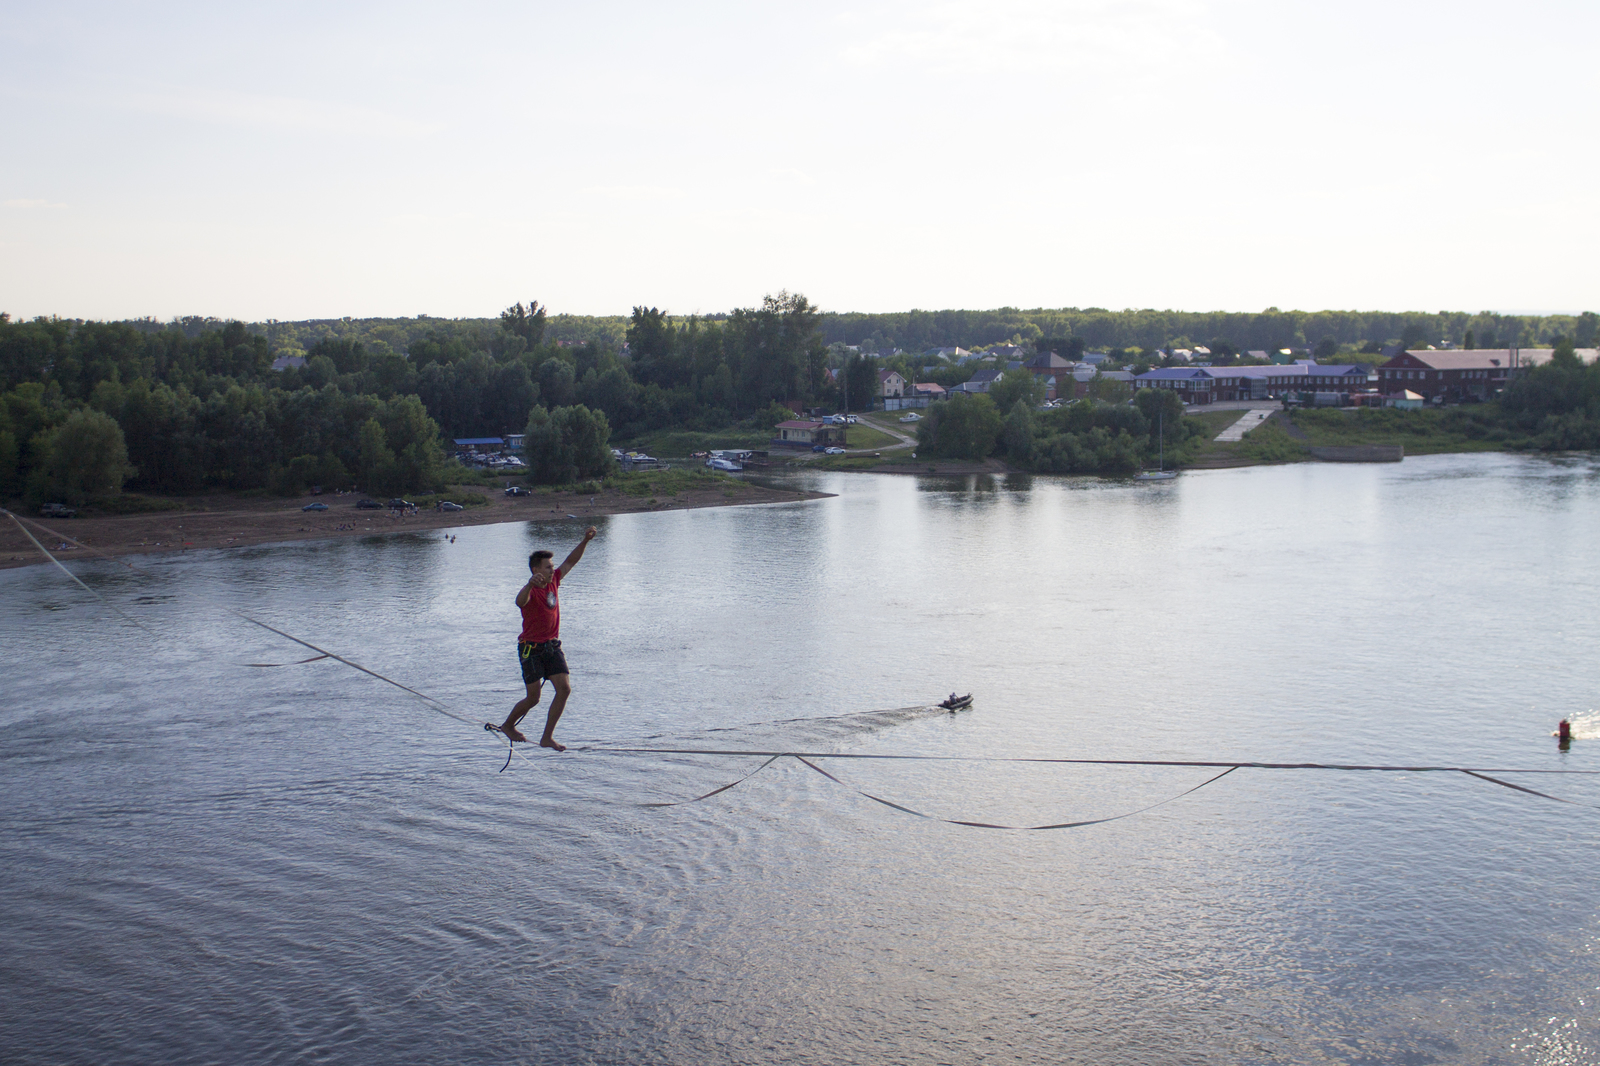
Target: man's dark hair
(533,560)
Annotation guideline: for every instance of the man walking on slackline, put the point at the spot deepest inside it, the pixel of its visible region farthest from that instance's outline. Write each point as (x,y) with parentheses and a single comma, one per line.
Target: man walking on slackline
(539,646)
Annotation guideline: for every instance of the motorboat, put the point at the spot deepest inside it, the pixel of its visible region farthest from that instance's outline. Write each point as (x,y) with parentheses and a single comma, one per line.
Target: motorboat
(957,703)
(725,465)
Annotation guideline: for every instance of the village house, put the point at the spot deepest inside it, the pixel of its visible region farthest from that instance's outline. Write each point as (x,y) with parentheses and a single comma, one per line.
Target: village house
(891,385)
(981,380)
(804,433)
(1454,376)
(1053,372)
(468,445)
(929,390)
(1211,384)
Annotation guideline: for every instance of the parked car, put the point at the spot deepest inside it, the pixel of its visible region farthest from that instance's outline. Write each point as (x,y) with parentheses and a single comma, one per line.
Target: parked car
(912,417)
(833,451)
(369,505)
(819,447)
(446,505)
(57,510)
(516,490)
(315,507)
(403,505)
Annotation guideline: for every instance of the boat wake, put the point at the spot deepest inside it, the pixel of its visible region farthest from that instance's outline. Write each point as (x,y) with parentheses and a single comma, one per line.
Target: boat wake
(1585,726)
(802,732)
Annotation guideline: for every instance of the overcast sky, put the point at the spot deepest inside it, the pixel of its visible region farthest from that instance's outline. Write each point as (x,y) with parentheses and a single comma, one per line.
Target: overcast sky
(300,160)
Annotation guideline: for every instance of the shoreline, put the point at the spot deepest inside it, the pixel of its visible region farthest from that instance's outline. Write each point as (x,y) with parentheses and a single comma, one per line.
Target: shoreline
(206,523)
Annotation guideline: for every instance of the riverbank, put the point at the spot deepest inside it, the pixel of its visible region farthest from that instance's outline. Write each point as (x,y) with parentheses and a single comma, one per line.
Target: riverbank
(209,522)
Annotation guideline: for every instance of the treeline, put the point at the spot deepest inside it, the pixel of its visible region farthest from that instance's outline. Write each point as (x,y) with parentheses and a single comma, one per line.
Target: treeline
(1093,329)
(1557,405)
(1100,329)
(203,409)
(1086,437)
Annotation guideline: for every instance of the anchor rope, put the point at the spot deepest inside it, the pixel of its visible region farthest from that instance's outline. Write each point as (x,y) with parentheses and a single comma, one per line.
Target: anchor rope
(322,653)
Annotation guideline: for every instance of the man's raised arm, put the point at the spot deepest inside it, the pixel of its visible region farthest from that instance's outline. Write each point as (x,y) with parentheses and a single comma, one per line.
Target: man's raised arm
(577,553)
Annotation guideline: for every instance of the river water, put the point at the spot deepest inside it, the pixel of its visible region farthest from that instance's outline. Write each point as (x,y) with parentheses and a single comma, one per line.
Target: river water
(210,862)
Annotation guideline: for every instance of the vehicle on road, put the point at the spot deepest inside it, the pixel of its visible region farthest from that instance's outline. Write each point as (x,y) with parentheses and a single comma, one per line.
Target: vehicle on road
(368,505)
(315,507)
(447,505)
(517,490)
(833,451)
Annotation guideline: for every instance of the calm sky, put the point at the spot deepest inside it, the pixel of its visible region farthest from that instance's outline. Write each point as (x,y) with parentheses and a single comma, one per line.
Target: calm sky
(296,160)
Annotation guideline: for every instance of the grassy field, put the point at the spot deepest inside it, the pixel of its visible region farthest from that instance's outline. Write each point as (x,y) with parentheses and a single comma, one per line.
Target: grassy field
(1268,443)
(675,444)
(1456,429)
(864,435)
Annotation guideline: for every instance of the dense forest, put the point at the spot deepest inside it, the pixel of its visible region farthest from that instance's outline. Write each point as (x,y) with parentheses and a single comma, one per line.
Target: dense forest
(87,408)
(90,407)
(1094,329)
(1099,329)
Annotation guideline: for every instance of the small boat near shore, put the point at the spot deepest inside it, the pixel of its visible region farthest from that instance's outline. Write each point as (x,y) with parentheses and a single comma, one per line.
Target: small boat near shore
(1161,473)
(957,703)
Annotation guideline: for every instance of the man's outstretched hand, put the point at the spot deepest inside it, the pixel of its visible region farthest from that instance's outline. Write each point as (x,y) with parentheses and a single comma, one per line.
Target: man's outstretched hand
(589,534)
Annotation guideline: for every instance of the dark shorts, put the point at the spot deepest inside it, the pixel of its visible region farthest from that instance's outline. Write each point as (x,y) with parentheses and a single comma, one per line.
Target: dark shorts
(540,661)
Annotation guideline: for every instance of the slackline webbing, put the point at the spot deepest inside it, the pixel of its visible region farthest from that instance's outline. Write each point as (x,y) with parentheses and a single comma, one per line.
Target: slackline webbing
(322,653)
(1242,764)
(806,757)
(73,576)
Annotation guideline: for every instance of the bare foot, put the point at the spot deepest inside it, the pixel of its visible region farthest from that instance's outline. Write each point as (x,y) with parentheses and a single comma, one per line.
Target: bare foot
(547,742)
(513,733)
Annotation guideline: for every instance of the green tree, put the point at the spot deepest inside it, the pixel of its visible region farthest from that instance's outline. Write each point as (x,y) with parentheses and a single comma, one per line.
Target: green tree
(1017,435)
(84,456)
(567,444)
(377,460)
(962,427)
(525,322)
(1586,330)
(860,381)
(1022,387)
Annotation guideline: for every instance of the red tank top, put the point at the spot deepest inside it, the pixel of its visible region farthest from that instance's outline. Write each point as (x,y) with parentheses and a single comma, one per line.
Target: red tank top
(541,615)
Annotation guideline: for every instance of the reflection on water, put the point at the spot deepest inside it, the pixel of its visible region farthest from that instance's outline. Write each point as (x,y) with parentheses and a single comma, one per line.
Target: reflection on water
(208,862)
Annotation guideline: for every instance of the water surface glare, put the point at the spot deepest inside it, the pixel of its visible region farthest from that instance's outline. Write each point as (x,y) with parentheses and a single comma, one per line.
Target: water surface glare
(206,862)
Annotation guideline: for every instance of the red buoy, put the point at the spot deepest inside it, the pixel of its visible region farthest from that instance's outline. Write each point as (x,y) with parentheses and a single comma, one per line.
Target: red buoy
(1564,731)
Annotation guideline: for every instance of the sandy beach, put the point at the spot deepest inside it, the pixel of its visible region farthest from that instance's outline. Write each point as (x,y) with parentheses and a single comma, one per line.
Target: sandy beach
(208,522)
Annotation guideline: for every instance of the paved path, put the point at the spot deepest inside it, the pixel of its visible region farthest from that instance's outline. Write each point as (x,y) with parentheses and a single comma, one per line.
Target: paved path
(1252,418)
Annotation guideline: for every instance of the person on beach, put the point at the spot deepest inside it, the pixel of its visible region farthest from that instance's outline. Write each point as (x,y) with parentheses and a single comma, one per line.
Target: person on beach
(539,646)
